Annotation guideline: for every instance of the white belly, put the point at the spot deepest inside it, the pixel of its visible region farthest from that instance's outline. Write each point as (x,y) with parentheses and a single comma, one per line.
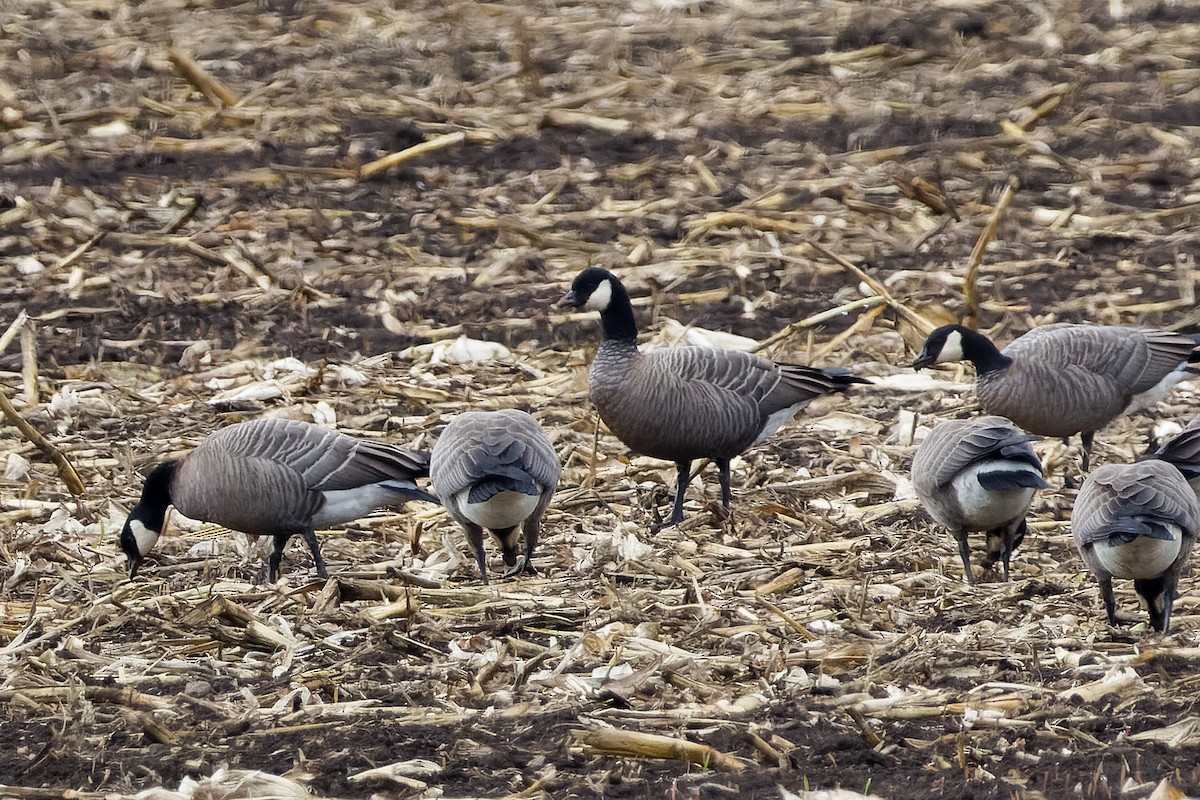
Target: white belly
(345,505)
(1141,558)
(498,512)
(989,508)
(776,421)
(1151,397)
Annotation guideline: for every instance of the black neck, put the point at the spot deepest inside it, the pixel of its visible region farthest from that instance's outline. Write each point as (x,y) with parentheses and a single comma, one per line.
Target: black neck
(151,510)
(979,350)
(617,319)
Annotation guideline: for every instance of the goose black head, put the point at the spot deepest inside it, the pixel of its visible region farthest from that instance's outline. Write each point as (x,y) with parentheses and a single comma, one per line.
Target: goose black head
(943,345)
(592,289)
(144,524)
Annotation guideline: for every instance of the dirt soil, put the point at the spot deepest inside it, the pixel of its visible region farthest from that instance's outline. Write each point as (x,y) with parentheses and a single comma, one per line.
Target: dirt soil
(186,261)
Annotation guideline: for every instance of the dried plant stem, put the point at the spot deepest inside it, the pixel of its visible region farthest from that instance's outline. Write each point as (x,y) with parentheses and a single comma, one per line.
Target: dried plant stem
(217,93)
(864,727)
(564,116)
(185,216)
(97,694)
(70,258)
(489,670)
(912,317)
(970,295)
(768,751)
(37,793)
(379,165)
(65,471)
(791,623)
(860,328)
(29,365)
(633,744)
(13,330)
(818,318)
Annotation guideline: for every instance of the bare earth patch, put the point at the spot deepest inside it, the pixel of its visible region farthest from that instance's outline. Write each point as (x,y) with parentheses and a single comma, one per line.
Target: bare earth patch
(185,262)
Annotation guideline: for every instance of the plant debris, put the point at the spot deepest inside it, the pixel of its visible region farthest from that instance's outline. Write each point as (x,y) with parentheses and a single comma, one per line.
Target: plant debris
(361,214)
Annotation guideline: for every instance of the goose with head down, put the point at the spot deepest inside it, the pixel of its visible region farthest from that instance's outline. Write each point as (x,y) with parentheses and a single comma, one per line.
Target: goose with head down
(277,478)
(979,475)
(1063,379)
(1137,521)
(496,470)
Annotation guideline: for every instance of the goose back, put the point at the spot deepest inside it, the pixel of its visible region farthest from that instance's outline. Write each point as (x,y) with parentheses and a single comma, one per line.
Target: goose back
(482,453)
(1119,502)
(1066,378)
(1183,452)
(976,474)
(270,476)
(685,403)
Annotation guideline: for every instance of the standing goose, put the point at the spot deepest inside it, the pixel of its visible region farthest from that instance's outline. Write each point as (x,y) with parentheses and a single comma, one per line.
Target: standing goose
(1063,379)
(684,403)
(278,478)
(496,470)
(979,475)
(1183,451)
(1137,521)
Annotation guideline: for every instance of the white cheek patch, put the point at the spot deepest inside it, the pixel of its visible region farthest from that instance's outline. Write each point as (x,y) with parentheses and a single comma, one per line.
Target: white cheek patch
(144,537)
(952,349)
(600,297)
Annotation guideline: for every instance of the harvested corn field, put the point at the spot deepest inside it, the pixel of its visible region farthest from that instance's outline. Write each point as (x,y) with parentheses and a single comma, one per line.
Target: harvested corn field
(362,214)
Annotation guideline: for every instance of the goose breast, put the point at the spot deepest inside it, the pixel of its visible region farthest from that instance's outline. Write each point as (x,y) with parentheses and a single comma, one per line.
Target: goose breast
(687,402)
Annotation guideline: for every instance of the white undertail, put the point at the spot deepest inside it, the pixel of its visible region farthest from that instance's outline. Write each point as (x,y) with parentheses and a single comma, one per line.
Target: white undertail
(1142,557)
(500,511)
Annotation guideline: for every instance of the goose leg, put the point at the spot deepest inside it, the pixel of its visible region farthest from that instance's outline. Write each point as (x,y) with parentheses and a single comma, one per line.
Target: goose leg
(964,552)
(1168,597)
(1088,438)
(475,539)
(1017,535)
(1069,481)
(1110,604)
(278,542)
(1157,592)
(1014,534)
(310,538)
(684,471)
(998,549)
(723,476)
(530,531)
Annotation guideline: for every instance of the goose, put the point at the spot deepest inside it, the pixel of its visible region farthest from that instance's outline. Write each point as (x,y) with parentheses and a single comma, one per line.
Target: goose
(1183,451)
(277,478)
(496,470)
(1137,521)
(684,403)
(979,475)
(1063,379)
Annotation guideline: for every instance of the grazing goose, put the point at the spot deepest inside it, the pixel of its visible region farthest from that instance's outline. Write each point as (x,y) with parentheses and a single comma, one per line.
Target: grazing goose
(684,403)
(278,478)
(1183,451)
(496,470)
(1137,521)
(979,475)
(1063,379)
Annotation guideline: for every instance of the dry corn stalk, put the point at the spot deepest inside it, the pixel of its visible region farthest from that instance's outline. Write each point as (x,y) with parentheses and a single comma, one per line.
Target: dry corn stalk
(633,744)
